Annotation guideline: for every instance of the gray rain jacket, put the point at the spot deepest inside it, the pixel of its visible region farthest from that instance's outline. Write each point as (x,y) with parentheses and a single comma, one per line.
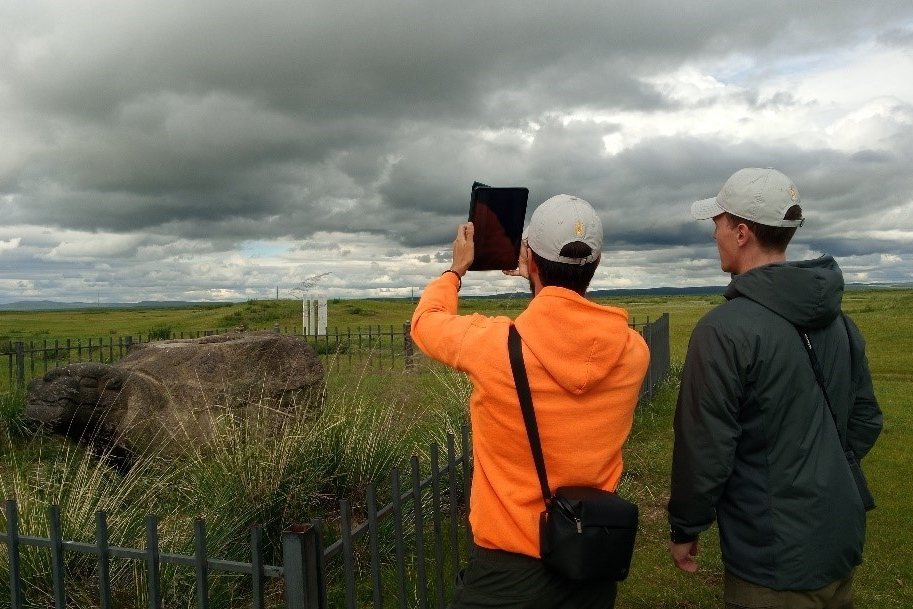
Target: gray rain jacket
(756,447)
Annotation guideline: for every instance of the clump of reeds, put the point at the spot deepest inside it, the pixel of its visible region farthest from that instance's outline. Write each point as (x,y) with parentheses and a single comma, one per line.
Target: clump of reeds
(254,466)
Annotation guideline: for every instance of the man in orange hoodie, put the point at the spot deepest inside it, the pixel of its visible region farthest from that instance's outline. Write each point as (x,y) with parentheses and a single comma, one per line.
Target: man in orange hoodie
(585,367)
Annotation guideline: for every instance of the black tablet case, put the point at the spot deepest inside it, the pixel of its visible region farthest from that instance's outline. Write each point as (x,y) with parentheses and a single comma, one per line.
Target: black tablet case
(497,215)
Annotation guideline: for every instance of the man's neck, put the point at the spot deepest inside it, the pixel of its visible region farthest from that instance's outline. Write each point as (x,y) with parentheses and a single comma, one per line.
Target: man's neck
(758,257)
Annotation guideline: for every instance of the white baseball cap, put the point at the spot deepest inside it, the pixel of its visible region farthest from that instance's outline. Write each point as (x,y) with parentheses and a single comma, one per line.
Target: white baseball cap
(759,195)
(561,220)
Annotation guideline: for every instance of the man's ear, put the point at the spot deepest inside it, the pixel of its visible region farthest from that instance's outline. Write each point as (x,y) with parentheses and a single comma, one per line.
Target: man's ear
(743,234)
(532,269)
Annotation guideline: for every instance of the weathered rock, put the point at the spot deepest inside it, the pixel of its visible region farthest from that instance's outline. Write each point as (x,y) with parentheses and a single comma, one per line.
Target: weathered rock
(164,394)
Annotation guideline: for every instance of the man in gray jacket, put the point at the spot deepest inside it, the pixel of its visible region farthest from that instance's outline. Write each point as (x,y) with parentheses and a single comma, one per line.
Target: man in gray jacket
(756,445)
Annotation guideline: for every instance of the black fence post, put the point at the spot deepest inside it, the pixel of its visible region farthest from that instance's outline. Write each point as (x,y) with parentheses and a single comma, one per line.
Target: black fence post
(408,346)
(57,566)
(104,560)
(302,559)
(647,393)
(664,348)
(20,362)
(202,563)
(12,543)
(153,563)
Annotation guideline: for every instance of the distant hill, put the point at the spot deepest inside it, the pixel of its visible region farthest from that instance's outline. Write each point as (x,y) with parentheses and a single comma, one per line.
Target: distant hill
(710,289)
(663,291)
(697,290)
(879,286)
(51,305)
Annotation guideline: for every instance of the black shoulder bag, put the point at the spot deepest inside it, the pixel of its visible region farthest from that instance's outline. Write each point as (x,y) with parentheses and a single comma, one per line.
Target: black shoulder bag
(585,533)
(855,468)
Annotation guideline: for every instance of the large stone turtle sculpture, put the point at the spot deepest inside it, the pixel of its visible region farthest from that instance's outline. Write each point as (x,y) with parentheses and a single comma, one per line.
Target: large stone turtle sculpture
(164,395)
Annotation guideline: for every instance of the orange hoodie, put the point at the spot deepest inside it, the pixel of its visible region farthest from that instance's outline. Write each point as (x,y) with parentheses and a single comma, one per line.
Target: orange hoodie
(585,369)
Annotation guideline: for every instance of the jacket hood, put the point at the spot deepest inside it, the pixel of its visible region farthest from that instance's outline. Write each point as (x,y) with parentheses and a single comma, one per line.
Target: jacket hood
(807,293)
(581,342)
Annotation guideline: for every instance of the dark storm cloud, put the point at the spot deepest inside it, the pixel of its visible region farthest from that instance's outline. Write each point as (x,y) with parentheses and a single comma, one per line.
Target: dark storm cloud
(215,110)
(223,122)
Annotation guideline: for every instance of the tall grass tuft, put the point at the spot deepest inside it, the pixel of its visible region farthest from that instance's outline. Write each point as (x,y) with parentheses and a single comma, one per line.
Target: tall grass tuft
(12,414)
(254,465)
(256,469)
(53,472)
(447,392)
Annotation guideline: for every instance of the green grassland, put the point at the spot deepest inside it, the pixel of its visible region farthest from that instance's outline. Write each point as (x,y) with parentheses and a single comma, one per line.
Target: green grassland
(264,314)
(409,410)
(253,314)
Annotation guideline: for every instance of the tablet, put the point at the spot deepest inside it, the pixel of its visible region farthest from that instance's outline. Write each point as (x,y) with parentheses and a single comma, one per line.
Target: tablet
(497,215)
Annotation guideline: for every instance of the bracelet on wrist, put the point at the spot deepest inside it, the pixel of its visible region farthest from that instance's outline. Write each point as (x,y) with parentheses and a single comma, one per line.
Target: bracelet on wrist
(459,279)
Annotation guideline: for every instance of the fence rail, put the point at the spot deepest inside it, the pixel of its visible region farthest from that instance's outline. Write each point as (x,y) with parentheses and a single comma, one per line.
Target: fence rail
(430,538)
(426,512)
(375,346)
(151,555)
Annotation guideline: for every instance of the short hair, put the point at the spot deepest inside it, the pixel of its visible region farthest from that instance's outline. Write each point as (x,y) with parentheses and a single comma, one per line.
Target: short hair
(574,277)
(771,238)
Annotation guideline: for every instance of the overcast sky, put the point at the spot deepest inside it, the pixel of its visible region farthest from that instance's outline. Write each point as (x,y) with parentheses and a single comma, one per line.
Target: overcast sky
(219,150)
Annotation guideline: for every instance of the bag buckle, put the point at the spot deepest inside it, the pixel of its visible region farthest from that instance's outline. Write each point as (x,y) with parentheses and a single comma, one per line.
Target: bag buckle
(565,506)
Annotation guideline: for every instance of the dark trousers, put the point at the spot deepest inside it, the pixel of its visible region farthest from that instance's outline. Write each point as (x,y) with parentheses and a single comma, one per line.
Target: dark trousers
(740,594)
(502,579)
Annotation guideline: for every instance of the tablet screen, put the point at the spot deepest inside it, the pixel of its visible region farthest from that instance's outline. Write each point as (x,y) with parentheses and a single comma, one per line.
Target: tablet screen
(497,215)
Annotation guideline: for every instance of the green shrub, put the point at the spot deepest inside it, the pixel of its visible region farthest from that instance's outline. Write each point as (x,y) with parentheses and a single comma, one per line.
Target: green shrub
(160,332)
(360,311)
(327,347)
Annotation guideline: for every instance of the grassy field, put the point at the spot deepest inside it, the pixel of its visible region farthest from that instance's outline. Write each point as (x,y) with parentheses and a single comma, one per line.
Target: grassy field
(394,403)
(255,315)
(263,314)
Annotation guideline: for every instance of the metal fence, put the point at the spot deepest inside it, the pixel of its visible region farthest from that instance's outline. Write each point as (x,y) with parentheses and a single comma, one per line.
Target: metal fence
(427,514)
(656,335)
(372,346)
(368,563)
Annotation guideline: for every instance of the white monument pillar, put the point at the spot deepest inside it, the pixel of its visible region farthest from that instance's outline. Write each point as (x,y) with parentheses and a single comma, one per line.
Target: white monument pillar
(322,317)
(314,316)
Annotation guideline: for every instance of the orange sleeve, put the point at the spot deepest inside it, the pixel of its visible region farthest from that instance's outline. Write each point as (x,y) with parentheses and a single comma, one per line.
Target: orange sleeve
(436,328)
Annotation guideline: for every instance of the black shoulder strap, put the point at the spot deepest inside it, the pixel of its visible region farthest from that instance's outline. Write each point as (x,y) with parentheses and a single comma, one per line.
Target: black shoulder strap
(515,349)
(819,376)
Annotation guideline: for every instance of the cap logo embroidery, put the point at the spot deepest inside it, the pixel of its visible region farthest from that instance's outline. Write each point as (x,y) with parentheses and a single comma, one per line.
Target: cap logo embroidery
(793,194)
(578,228)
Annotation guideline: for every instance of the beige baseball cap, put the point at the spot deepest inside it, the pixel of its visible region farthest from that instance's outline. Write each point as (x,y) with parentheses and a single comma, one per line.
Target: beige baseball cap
(561,220)
(759,195)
